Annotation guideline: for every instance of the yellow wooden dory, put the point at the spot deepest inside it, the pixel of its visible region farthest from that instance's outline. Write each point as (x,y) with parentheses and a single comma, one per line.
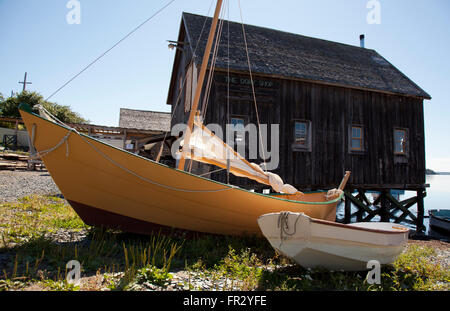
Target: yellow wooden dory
(111,187)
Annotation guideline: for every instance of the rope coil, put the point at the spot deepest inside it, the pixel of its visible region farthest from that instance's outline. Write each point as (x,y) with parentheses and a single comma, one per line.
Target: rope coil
(283,225)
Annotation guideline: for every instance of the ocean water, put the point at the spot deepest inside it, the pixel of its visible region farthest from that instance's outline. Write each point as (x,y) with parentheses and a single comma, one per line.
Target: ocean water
(438,197)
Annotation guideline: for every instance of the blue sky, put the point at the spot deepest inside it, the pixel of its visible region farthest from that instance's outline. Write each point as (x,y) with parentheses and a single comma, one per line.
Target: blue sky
(35,37)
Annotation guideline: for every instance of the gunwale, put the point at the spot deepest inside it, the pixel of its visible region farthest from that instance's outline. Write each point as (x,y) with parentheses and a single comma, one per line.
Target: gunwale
(27,109)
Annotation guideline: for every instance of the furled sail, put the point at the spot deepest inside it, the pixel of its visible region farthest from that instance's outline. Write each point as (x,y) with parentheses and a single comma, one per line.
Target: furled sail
(206,147)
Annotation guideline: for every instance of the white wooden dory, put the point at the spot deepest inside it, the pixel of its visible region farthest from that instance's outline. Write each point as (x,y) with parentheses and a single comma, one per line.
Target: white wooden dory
(314,243)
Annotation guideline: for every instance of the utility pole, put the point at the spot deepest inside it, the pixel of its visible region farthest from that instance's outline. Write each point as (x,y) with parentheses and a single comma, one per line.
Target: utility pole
(25,82)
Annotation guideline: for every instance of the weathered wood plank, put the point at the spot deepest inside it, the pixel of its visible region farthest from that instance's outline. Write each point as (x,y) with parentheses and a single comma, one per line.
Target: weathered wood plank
(331,110)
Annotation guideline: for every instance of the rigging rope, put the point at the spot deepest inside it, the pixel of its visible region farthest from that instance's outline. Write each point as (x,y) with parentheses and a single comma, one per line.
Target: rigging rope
(65,138)
(108,50)
(213,64)
(47,151)
(253,87)
(183,84)
(215,171)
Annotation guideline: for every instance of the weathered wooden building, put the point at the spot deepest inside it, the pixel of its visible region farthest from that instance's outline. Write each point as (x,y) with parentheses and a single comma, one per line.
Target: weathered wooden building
(154,125)
(339,107)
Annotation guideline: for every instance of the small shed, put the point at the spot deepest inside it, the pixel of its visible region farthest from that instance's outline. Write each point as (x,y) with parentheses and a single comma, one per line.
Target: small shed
(156,123)
(144,120)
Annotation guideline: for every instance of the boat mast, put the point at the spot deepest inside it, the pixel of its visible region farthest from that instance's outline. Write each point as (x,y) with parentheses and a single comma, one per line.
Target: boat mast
(201,78)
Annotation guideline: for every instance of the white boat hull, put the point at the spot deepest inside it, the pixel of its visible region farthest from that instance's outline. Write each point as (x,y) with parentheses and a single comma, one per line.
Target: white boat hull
(316,243)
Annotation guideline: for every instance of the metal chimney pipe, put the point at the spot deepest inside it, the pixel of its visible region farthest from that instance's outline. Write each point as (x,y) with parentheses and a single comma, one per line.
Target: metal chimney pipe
(361,39)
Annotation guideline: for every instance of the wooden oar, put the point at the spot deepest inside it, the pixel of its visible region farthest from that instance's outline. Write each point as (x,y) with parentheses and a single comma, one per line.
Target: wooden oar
(344,180)
(334,193)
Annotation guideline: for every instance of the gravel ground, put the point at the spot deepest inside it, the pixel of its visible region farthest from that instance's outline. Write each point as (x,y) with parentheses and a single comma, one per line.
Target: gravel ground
(17,184)
(442,249)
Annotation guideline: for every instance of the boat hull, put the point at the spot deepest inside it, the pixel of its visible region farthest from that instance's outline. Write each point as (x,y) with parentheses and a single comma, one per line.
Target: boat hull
(316,243)
(439,221)
(114,188)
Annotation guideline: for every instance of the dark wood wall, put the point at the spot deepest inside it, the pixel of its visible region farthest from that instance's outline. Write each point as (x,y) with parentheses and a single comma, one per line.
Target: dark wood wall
(331,111)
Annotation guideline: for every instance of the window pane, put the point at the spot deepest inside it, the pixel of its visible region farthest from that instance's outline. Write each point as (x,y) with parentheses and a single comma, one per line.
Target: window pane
(238,125)
(356,132)
(300,127)
(301,133)
(357,139)
(356,144)
(400,146)
(399,141)
(399,135)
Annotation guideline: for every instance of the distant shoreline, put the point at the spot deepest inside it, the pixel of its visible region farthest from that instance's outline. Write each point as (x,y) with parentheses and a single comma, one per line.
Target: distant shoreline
(431,172)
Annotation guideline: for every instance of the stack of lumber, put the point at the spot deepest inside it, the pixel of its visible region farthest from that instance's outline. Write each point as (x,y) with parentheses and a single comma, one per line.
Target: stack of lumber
(14,161)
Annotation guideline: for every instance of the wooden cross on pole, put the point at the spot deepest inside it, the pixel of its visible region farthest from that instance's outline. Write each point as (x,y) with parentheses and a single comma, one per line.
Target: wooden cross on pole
(24,82)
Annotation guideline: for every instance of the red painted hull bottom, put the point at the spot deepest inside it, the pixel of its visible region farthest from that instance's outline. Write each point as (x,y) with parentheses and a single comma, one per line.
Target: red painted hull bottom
(100,218)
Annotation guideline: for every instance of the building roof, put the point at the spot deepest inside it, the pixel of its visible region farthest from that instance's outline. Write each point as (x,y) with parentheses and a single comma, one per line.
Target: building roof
(288,55)
(144,120)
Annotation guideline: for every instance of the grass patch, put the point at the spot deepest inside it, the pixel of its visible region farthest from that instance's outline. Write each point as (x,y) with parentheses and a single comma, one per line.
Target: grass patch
(30,256)
(414,271)
(33,216)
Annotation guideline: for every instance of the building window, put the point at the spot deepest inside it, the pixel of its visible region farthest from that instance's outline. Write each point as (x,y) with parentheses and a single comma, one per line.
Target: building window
(239,130)
(302,135)
(357,138)
(400,141)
